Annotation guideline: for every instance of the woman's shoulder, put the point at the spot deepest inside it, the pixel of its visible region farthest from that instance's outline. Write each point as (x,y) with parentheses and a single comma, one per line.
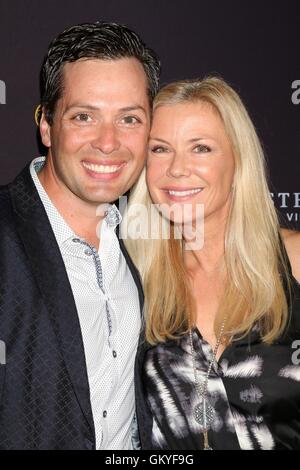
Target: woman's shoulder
(291,239)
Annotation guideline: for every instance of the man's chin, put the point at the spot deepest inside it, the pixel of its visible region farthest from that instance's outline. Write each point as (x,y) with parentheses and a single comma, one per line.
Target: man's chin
(101,199)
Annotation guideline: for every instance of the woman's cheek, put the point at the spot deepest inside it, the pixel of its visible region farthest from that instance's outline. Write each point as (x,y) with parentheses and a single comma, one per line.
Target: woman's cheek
(154,171)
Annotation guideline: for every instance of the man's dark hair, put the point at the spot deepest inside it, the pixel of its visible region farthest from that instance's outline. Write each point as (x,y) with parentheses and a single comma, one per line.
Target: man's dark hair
(100,40)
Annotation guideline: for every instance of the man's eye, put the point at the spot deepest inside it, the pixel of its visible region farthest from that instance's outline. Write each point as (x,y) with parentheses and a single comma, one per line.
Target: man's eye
(130,120)
(82,117)
(201,149)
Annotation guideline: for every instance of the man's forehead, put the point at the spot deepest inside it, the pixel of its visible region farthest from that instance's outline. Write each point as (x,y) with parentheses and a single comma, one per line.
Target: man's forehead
(106,68)
(87,85)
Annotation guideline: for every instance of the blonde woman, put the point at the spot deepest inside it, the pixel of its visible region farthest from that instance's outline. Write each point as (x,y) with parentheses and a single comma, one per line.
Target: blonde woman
(218,367)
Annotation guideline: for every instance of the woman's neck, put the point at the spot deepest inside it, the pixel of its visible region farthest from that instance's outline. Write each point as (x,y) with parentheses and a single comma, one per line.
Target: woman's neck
(210,258)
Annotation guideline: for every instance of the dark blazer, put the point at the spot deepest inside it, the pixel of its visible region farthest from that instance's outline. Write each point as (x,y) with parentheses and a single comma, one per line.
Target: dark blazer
(44,390)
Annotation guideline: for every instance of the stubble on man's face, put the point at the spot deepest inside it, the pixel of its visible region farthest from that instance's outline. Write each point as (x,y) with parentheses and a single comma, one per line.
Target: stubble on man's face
(98,139)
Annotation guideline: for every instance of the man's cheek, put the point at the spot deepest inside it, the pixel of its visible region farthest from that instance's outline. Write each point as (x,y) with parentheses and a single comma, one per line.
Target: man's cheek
(137,139)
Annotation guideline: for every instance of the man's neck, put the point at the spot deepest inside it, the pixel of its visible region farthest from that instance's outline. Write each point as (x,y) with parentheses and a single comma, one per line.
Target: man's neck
(79,215)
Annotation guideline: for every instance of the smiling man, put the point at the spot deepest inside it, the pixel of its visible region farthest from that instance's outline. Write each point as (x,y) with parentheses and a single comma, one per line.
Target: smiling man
(97,140)
(70,305)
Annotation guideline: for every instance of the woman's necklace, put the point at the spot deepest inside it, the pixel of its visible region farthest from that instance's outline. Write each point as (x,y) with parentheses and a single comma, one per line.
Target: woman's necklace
(204,412)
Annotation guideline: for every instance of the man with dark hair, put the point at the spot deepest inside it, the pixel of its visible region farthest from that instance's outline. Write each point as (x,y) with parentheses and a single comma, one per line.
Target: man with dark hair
(70,302)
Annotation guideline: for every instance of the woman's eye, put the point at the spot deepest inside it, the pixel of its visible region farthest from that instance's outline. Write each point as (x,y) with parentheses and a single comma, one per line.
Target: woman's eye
(82,117)
(158,149)
(131,120)
(201,149)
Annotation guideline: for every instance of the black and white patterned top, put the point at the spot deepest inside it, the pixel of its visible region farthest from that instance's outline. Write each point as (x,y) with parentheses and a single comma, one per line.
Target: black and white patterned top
(255,389)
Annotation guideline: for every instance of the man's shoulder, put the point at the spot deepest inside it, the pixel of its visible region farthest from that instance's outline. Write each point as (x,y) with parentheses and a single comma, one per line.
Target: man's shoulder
(9,193)
(4,188)
(7,220)
(4,196)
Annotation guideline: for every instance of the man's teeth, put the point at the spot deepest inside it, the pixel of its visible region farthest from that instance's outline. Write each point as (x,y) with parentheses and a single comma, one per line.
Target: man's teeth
(185,193)
(102,168)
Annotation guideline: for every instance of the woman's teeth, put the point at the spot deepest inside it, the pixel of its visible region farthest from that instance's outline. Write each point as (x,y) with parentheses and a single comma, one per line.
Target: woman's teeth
(185,193)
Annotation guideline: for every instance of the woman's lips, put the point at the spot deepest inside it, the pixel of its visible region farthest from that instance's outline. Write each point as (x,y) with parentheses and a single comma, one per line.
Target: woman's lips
(182,194)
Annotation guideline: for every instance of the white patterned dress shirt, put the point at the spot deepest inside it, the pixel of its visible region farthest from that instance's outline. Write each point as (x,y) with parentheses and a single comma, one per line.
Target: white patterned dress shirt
(108,308)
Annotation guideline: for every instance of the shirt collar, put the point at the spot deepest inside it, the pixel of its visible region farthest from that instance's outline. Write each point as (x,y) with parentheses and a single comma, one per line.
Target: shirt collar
(61,229)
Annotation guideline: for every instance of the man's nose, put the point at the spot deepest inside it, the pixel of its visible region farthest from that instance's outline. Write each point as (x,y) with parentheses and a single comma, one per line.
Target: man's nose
(106,139)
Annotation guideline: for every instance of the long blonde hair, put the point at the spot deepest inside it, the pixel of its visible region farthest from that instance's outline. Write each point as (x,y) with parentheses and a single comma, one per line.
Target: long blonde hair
(255,259)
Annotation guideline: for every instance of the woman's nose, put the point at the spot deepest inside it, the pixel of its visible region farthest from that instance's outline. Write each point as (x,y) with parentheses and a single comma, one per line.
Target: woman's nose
(178,166)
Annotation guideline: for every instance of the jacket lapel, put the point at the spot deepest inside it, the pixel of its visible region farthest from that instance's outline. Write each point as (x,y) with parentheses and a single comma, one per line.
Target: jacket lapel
(50,275)
(134,272)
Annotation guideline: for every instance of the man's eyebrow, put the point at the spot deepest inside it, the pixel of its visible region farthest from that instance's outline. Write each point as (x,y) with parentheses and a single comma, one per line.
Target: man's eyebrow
(81,106)
(133,108)
(89,107)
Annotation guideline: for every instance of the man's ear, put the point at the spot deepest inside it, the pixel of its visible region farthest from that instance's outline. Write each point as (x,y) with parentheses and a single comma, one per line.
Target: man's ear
(45,130)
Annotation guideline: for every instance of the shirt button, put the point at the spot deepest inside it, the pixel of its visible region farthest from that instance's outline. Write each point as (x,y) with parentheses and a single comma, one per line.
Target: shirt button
(104,414)
(76,240)
(114,354)
(87,252)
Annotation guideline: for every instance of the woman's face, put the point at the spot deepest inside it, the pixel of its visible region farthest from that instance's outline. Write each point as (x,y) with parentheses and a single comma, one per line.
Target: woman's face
(190,161)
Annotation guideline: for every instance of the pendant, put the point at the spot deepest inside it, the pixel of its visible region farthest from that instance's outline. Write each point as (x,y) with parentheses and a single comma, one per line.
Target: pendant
(204,414)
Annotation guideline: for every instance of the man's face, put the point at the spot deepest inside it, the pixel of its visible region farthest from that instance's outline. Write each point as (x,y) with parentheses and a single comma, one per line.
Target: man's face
(98,139)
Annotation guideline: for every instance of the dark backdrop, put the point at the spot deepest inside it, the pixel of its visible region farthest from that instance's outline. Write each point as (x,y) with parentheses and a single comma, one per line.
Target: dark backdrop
(252,44)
